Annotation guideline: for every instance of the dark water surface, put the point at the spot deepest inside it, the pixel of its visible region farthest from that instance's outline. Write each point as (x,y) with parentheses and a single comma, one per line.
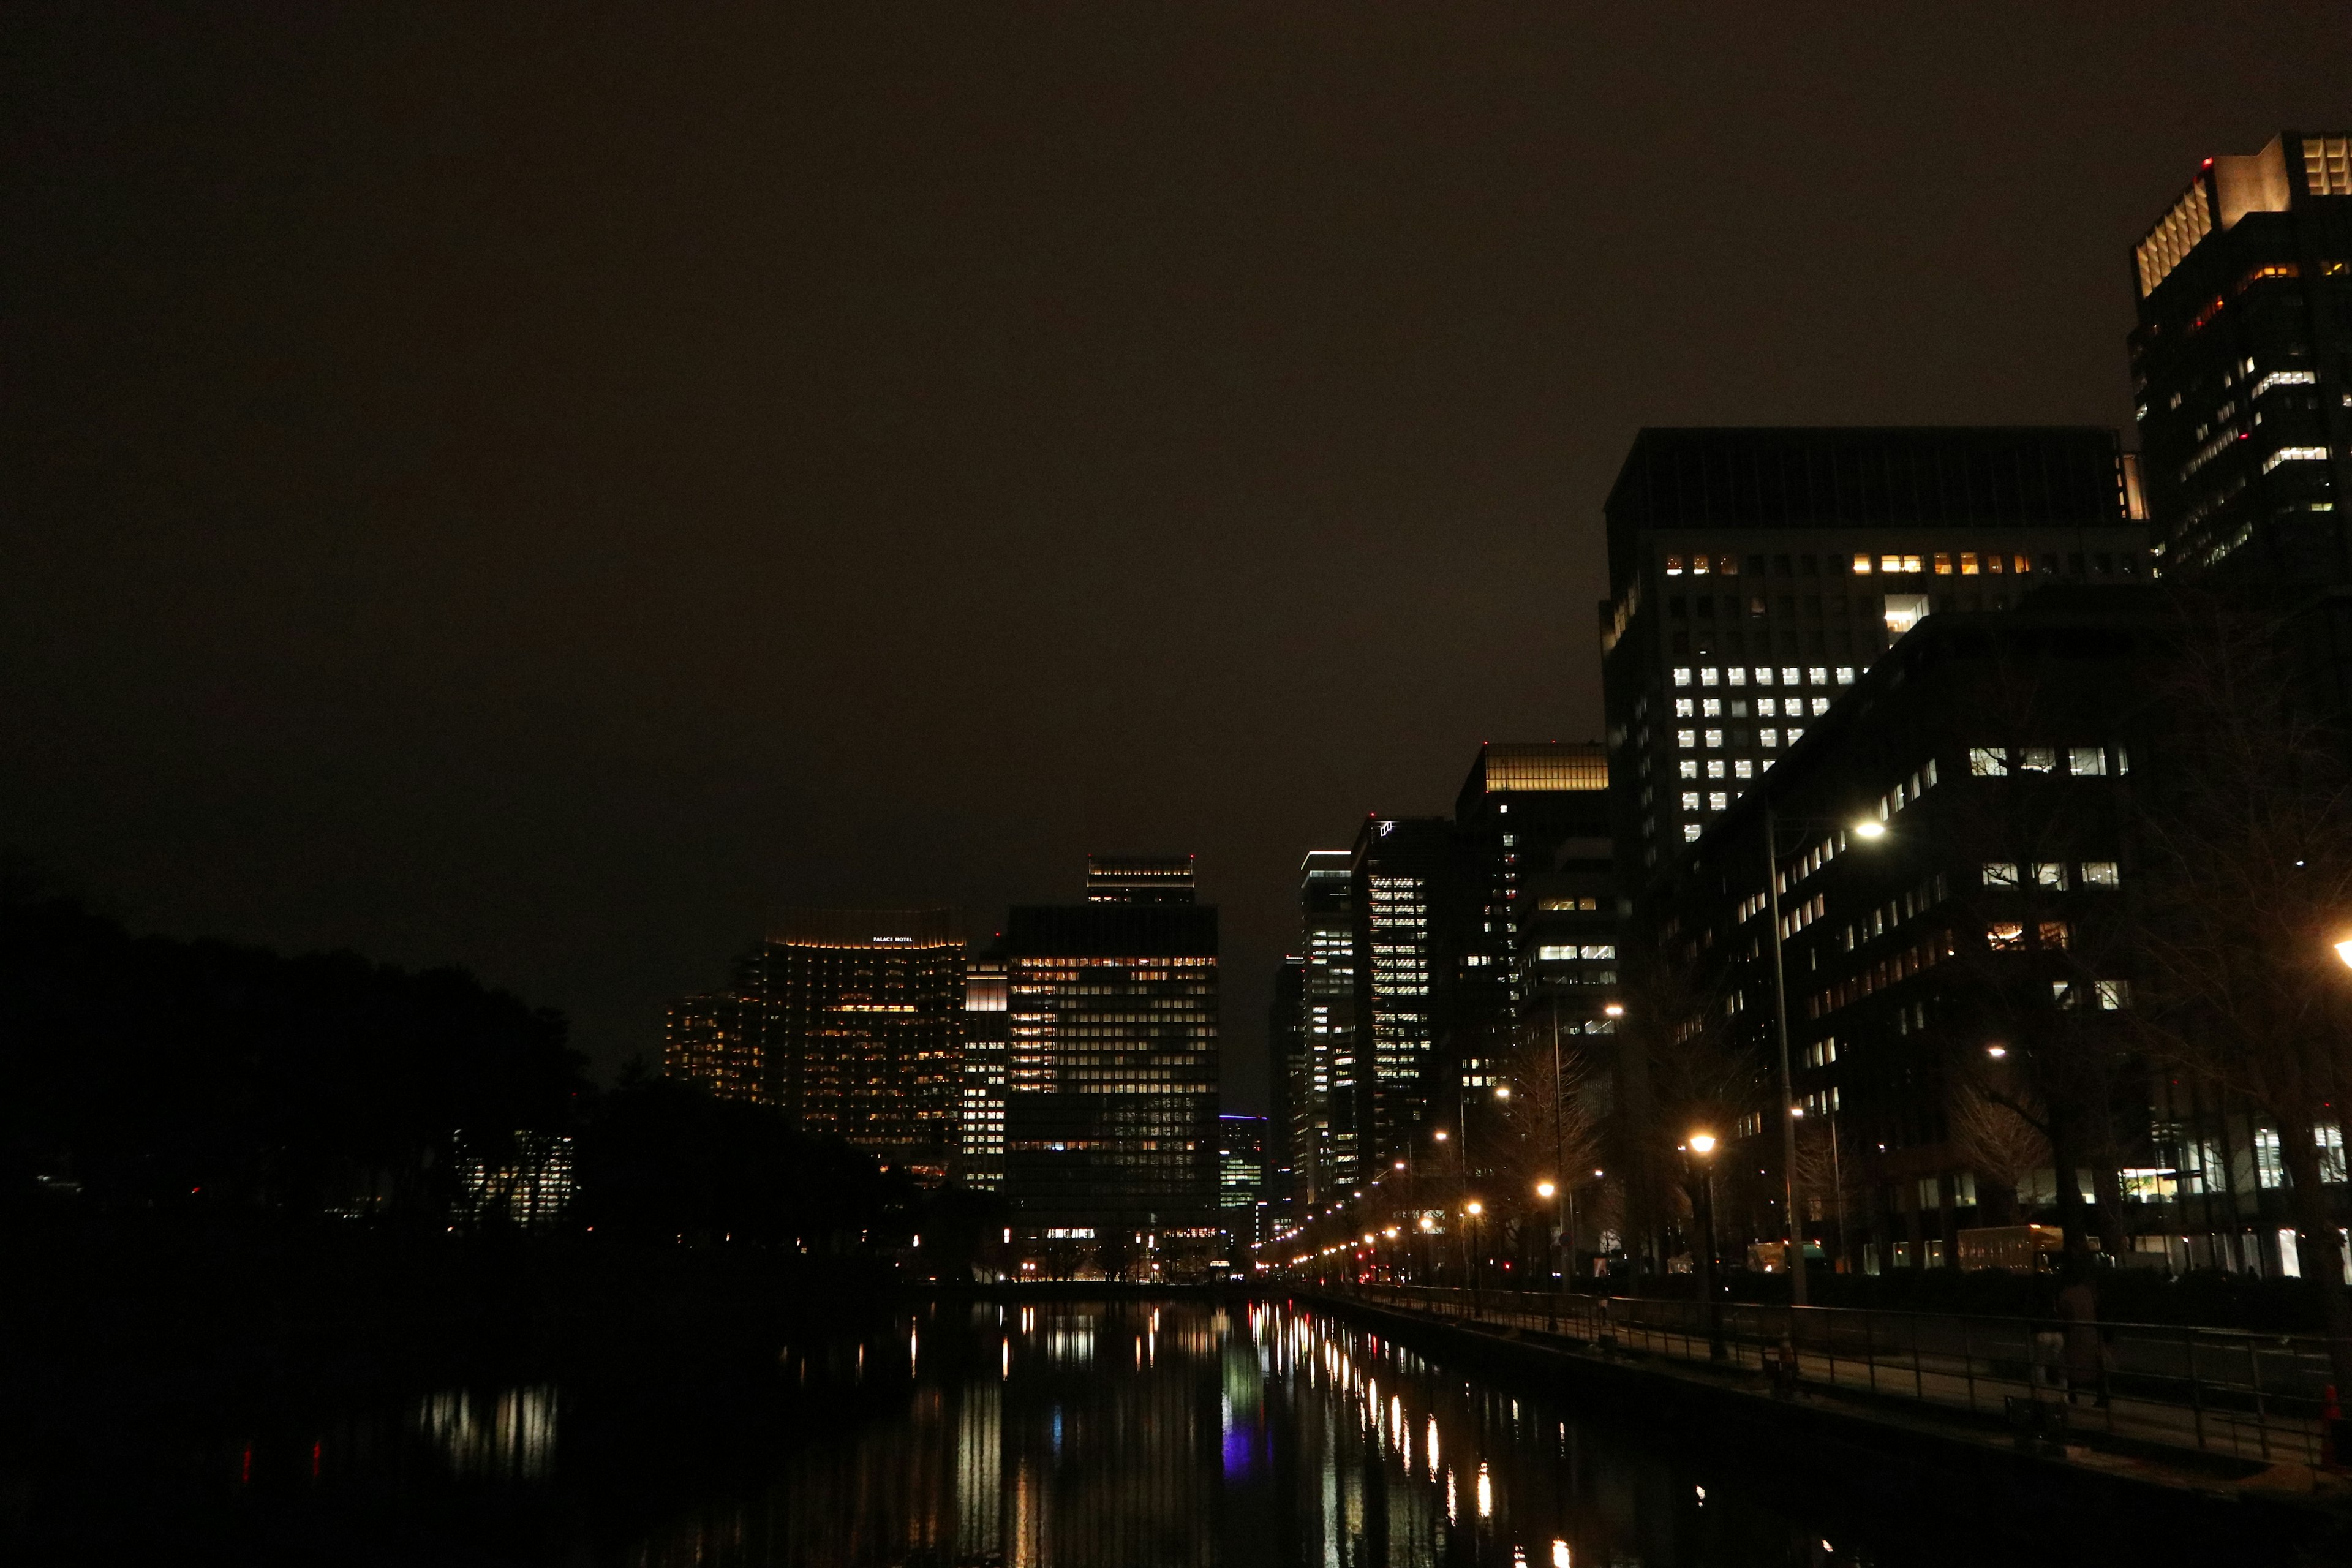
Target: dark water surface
(1070,1433)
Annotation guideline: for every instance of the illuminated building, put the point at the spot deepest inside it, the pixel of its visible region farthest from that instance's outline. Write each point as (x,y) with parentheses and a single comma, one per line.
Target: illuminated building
(1754,573)
(1111,1081)
(1139,878)
(1241,1184)
(860,1013)
(987,1034)
(1406,889)
(524,1181)
(713,1041)
(1328,1084)
(1528,812)
(2242,379)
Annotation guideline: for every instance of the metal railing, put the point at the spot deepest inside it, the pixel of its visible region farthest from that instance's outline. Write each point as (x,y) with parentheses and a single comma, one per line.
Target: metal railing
(2223,1391)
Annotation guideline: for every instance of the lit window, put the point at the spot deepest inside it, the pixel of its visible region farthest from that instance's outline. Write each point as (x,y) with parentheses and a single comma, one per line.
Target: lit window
(1943,565)
(1715,767)
(1690,800)
(2295,454)
(1709,676)
(1845,675)
(2115,995)
(1690,832)
(1711,707)
(2038,758)
(1684,707)
(1743,769)
(1795,736)
(1718,801)
(1682,676)
(1674,566)
(2021,564)
(1699,564)
(2005,936)
(2100,873)
(1862,565)
(1714,740)
(2053,934)
(2000,873)
(1905,611)
(1768,737)
(2086,762)
(1767,709)
(1687,738)
(1727,565)
(1987,762)
(1892,563)
(1788,676)
(1910,564)
(1598,950)
(1821,705)
(1817,676)
(2049,874)
(1968,562)
(1737,676)
(1555,953)
(1688,768)
(1764,676)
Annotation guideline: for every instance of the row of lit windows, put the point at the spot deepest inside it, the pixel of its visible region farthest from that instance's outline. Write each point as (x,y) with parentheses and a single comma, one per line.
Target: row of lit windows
(1688,740)
(1764,674)
(1740,767)
(2083,762)
(1864,564)
(2049,874)
(1766,707)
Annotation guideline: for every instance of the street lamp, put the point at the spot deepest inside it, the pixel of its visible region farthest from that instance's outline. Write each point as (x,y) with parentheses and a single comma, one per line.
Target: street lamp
(1702,1145)
(1472,1209)
(2343,951)
(1866,830)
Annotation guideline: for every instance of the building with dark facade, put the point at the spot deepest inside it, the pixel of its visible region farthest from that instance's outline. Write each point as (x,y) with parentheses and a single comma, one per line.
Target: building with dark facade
(1139,878)
(1291,1131)
(1955,863)
(1754,573)
(1327,1085)
(2242,378)
(1111,1086)
(859,1017)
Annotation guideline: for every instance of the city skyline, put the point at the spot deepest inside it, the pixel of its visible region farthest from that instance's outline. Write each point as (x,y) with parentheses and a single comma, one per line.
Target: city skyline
(370,627)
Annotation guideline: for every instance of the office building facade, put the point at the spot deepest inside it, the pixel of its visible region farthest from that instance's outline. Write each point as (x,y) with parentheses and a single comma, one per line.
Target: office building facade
(1327,1103)
(1240,1187)
(1754,574)
(860,1020)
(987,1043)
(1111,1084)
(2242,381)
(713,1041)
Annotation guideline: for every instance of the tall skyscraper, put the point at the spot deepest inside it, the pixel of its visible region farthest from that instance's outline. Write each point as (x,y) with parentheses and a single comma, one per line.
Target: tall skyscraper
(1327,1107)
(987,1038)
(2241,375)
(1289,1137)
(860,1017)
(1755,573)
(1406,887)
(1111,1083)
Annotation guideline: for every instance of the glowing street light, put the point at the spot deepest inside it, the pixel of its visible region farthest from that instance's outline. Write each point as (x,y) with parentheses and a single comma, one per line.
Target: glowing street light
(1702,1143)
(1615,1010)
(2343,951)
(1999,1051)
(1473,1208)
(1545,1189)
(1869,830)
(1502,1091)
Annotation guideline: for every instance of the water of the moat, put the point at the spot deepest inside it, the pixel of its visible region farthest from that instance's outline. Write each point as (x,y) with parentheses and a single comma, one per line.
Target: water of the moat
(1069,1433)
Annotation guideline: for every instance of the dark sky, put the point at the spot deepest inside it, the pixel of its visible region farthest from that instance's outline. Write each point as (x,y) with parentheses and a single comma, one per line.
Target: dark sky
(539,491)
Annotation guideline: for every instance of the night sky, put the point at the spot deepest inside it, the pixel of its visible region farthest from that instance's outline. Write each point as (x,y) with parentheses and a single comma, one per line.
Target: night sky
(540,491)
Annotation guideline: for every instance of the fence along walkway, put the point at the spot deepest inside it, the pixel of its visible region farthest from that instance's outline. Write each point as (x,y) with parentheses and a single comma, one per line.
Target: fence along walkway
(2252,1396)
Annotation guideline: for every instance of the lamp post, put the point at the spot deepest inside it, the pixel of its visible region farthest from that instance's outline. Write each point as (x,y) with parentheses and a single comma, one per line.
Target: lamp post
(1795,1225)
(1702,1145)
(1470,1212)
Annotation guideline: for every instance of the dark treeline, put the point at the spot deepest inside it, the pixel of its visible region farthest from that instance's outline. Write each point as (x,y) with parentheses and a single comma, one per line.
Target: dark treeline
(178,1087)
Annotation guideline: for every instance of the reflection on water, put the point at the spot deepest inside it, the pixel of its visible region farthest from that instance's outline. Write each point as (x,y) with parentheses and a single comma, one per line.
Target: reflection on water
(509,1436)
(1081,1434)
